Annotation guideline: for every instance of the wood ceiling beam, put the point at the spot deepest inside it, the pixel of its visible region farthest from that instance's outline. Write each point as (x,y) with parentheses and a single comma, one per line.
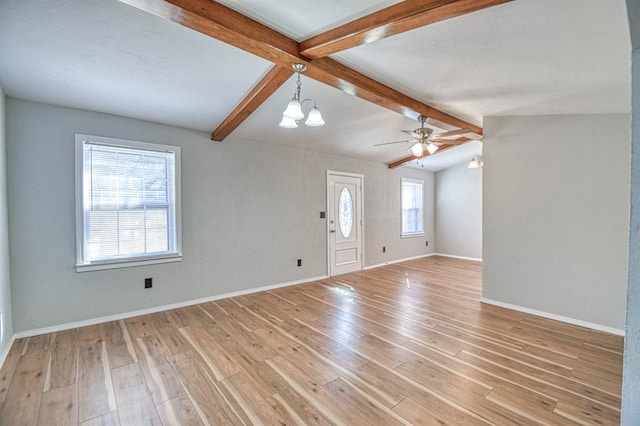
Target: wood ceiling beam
(404,160)
(276,76)
(225,24)
(231,27)
(404,16)
(334,74)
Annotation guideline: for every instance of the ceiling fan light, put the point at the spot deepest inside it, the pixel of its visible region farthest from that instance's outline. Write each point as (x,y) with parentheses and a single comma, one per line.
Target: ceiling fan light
(432,148)
(315,118)
(417,149)
(288,123)
(293,111)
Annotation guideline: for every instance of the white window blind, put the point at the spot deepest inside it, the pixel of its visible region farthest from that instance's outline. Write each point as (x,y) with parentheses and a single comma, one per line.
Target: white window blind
(412,220)
(128,201)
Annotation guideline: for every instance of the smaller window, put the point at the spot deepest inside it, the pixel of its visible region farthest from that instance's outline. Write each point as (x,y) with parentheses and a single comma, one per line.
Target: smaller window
(412,218)
(127,203)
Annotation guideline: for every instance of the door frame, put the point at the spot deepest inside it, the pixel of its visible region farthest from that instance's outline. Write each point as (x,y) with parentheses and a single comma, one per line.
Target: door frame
(328,219)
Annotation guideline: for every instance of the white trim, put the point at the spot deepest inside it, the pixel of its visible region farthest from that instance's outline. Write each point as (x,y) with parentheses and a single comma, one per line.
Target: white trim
(128,263)
(5,353)
(390,262)
(475,259)
(153,310)
(548,315)
(414,235)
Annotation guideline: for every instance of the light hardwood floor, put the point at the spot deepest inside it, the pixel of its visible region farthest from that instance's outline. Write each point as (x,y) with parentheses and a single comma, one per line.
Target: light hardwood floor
(408,343)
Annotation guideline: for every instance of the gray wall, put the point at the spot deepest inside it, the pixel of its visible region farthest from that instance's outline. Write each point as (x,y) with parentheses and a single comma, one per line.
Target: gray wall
(249,210)
(556,214)
(459,211)
(5,276)
(631,371)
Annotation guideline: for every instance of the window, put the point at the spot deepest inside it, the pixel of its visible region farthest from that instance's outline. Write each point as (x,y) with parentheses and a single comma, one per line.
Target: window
(127,203)
(412,223)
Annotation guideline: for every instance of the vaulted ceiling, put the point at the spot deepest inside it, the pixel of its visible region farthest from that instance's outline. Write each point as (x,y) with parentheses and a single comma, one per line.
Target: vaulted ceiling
(223,67)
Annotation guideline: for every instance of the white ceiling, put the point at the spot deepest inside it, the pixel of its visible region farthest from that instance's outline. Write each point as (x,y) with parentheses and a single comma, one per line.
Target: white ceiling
(524,57)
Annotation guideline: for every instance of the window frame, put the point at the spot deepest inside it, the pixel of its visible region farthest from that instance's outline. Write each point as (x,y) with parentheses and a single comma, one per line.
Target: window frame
(82,264)
(411,234)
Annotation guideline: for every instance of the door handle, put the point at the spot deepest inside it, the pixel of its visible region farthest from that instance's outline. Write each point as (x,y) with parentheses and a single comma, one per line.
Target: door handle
(332,230)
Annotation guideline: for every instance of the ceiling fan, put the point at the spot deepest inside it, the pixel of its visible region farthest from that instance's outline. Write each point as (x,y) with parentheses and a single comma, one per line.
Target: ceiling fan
(424,139)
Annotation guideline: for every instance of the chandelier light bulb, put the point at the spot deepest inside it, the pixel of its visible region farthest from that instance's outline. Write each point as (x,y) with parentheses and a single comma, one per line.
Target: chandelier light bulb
(294,110)
(417,150)
(432,148)
(288,123)
(315,118)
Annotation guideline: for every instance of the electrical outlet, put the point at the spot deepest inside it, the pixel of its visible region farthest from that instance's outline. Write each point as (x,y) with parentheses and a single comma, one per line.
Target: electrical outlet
(299,262)
(384,249)
(148,282)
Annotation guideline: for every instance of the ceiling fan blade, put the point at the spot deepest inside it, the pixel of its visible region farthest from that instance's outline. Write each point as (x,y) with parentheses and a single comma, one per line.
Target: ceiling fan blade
(452,133)
(411,133)
(389,143)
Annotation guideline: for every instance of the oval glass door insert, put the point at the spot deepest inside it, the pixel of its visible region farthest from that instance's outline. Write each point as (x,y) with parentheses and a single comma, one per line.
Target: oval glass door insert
(345,212)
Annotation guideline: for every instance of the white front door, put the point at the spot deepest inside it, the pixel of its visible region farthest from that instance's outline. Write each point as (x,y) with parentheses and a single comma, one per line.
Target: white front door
(344,199)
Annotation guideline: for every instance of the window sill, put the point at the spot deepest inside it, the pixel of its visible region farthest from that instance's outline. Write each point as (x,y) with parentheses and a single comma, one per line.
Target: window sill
(419,234)
(128,263)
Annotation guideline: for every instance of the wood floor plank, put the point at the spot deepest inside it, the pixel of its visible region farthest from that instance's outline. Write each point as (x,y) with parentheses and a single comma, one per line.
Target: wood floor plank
(173,341)
(181,318)
(567,391)
(252,344)
(109,419)
(216,359)
(452,386)
(418,415)
(9,367)
(290,294)
(536,407)
(161,380)
(22,403)
(135,406)
(298,355)
(118,343)
(361,408)
(179,412)
(587,413)
(264,380)
(95,389)
(300,408)
(208,396)
(40,343)
(407,343)
(161,322)
(330,348)
(140,326)
(248,401)
(90,335)
(64,360)
(311,391)
(59,406)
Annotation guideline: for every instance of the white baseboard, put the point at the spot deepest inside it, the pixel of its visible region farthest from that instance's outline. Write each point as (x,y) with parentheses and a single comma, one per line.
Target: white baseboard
(548,315)
(5,353)
(153,310)
(476,259)
(377,265)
